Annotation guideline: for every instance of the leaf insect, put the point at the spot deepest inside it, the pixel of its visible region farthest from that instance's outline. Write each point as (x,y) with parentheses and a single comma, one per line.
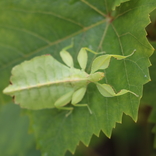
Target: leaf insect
(43,82)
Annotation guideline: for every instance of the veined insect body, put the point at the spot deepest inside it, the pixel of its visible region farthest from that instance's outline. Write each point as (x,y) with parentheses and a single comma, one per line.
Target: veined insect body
(43,82)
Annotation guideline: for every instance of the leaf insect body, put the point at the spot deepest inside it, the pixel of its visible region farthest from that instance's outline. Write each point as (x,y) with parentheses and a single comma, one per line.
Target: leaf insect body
(75,83)
(101,62)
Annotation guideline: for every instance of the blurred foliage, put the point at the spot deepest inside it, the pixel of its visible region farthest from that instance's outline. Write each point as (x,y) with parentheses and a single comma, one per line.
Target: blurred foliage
(14,137)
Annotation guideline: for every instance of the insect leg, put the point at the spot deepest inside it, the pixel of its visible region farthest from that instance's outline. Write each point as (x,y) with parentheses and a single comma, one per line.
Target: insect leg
(64,100)
(107,91)
(93,51)
(66,57)
(83,57)
(102,62)
(83,105)
(78,96)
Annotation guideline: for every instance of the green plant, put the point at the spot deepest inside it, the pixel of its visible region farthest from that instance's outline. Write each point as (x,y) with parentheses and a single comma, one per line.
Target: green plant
(32,28)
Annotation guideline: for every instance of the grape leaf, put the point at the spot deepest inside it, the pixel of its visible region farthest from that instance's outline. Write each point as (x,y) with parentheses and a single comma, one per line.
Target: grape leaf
(30,28)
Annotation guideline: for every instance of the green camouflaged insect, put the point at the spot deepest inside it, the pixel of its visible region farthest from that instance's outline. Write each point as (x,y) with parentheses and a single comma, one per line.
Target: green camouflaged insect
(43,82)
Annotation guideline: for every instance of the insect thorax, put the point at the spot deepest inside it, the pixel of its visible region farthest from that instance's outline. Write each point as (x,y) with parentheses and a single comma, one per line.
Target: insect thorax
(95,77)
(78,78)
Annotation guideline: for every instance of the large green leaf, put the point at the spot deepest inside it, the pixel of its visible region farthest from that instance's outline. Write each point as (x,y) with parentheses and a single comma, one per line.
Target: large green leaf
(30,28)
